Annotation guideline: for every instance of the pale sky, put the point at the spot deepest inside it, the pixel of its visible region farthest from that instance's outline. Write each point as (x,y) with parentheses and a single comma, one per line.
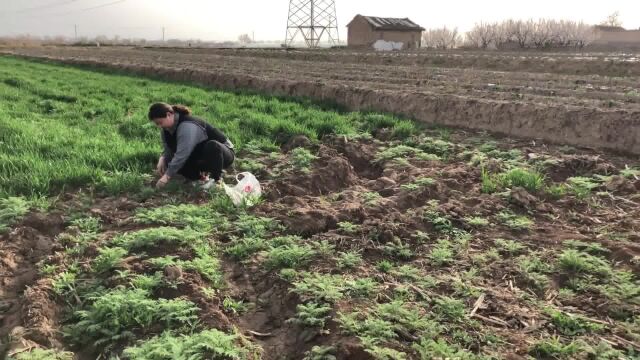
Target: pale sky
(226,20)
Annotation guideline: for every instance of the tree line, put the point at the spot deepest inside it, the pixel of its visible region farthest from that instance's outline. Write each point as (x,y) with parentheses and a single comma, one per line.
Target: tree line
(522,34)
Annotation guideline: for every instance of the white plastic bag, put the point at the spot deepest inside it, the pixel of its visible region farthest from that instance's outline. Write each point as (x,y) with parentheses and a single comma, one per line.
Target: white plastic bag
(247,191)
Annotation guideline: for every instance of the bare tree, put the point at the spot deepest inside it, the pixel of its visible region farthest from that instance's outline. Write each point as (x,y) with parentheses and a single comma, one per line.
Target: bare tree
(522,32)
(501,34)
(582,35)
(561,32)
(542,33)
(613,20)
(481,35)
(244,39)
(443,38)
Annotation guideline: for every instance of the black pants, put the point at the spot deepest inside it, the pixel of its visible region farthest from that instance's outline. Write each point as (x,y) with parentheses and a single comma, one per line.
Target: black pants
(210,157)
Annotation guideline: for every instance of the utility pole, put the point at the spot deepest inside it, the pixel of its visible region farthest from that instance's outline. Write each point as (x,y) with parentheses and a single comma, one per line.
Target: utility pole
(75,30)
(163,34)
(313,20)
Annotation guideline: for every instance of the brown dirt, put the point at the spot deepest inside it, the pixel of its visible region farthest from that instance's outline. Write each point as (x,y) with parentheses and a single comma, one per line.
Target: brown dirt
(582,110)
(314,214)
(313,204)
(24,300)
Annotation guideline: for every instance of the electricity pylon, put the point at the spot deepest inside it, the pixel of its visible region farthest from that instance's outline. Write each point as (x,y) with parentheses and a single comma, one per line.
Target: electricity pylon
(313,20)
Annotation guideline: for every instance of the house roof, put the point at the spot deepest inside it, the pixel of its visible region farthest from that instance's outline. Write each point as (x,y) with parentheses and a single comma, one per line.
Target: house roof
(610,28)
(401,24)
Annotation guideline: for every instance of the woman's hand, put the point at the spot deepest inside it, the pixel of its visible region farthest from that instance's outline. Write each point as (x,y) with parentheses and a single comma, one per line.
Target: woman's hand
(163,181)
(161,167)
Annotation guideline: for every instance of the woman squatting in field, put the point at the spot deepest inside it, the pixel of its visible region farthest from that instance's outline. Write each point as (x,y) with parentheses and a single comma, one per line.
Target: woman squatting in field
(192,147)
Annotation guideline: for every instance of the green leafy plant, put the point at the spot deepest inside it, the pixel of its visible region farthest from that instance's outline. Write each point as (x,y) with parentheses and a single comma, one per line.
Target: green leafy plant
(582,187)
(371,330)
(108,259)
(440,349)
(111,316)
(509,246)
(515,222)
(87,224)
(302,158)
(593,248)
(556,191)
(361,287)
(572,325)
(554,349)
(311,314)
(477,221)
(489,183)
(64,283)
(534,270)
(385,353)
(418,184)
(321,353)
(42,354)
(194,216)
(146,282)
(398,249)
(288,274)
(442,253)
(289,256)
(395,152)
(403,129)
(250,165)
(370,197)
(256,226)
(622,286)
(435,146)
(206,265)
(448,308)
(163,262)
(12,209)
(348,227)
(320,287)
(440,222)
(324,248)
(234,306)
(383,324)
(243,248)
(349,260)
(408,272)
(578,262)
(384,266)
(149,237)
(402,152)
(530,180)
(207,344)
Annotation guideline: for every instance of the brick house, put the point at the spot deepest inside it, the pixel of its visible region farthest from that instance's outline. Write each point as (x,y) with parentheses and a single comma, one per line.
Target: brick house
(615,36)
(366,30)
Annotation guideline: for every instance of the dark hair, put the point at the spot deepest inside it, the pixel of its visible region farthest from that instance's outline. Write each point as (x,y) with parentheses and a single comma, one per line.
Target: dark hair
(159,110)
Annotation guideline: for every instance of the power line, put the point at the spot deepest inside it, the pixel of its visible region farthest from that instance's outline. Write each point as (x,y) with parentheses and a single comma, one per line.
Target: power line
(60,3)
(89,8)
(103,5)
(45,6)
